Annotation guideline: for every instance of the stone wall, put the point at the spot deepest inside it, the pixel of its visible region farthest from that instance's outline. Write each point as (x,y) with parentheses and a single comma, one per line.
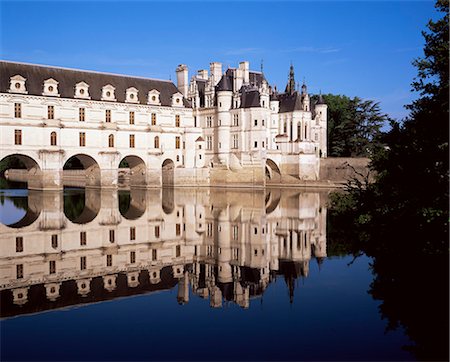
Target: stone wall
(340,169)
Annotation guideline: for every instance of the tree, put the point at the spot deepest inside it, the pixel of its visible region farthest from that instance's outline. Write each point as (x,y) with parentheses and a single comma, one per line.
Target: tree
(401,220)
(353,126)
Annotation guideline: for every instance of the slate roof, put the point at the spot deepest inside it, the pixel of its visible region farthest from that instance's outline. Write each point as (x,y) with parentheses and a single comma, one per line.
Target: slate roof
(225,83)
(36,75)
(250,99)
(290,102)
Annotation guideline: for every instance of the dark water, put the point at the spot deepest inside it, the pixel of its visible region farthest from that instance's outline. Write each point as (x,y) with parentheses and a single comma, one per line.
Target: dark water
(183,275)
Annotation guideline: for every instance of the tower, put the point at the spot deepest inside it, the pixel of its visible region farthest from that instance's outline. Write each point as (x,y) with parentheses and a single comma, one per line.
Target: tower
(290,87)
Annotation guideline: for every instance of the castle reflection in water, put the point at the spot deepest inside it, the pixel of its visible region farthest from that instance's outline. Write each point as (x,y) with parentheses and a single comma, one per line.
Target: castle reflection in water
(223,245)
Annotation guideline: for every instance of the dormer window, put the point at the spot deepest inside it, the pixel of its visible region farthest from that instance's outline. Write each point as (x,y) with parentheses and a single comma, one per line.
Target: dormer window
(153,97)
(82,90)
(17,84)
(50,88)
(177,100)
(108,93)
(131,95)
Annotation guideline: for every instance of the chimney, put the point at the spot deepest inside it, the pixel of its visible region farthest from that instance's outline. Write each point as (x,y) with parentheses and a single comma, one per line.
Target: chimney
(203,74)
(216,71)
(245,67)
(182,79)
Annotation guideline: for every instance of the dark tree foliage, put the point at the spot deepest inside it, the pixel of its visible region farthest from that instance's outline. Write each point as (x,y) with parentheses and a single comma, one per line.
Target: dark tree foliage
(353,126)
(401,220)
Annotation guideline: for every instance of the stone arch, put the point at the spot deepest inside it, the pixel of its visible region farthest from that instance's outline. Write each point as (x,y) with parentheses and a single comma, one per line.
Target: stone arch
(168,173)
(273,173)
(132,171)
(81,170)
(22,168)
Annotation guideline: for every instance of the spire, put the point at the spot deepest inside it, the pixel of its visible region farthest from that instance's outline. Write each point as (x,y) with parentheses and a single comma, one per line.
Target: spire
(290,87)
(320,101)
(304,89)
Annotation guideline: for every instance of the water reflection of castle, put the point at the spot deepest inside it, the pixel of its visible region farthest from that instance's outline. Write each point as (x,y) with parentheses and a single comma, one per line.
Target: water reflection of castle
(227,245)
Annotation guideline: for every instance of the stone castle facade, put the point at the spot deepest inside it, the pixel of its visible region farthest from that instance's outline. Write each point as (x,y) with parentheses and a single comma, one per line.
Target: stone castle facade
(218,128)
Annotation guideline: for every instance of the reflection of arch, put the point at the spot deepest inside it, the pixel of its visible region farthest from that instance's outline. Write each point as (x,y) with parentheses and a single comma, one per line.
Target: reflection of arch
(168,172)
(31,203)
(272,200)
(132,204)
(79,162)
(81,206)
(30,171)
(273,173)
(138,170)
(168,200)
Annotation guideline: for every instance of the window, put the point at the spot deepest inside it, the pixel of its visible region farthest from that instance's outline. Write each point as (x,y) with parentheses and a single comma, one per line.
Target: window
(108,115)
(19,244)
(154,255)
(256,144)
(263,144)
(17,137)
(108,260)
(256,122)
(156,142)
(236,120)
(262,122)
(177,142)
(209,142)
(131,117)
(52,267)
(178,251)
(255,231)
(195,121)
(177,229)
(178,158)
(157,232)
(209,229)
(306,131)
(111,236)
(209,121)
(83,263)
(132,233)
(17,110)
(132,257)
(19,271)
(82,139)
(235,141)
(153,119)
(111,140)
(54,241)
(235,232)
(51,112)
(81,114)
(177,120)
(131,140)
(83,238)
(53,139)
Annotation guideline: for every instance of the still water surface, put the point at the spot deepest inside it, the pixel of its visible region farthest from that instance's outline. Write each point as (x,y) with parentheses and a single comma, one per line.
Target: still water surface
(182,275)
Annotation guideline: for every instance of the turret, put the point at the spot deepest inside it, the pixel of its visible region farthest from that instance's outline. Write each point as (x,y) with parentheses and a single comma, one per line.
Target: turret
(305,98)
(182,79)
(321,110)
(224,104)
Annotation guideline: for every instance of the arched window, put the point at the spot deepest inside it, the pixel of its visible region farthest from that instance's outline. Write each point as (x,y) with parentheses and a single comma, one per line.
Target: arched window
(156,142)
(111,140)
(53,138)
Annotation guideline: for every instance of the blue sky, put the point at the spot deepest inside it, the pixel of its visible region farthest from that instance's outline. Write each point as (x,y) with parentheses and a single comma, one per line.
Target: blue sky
(356,48)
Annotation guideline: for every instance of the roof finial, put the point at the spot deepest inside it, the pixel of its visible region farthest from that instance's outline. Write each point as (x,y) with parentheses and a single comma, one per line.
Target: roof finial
(262,65)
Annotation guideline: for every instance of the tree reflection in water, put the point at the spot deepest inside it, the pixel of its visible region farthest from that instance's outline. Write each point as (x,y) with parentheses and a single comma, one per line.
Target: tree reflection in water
(410,278)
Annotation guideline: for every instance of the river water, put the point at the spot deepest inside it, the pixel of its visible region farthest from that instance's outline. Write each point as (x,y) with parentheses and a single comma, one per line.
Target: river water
(178,274)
